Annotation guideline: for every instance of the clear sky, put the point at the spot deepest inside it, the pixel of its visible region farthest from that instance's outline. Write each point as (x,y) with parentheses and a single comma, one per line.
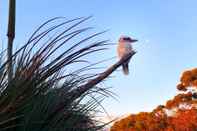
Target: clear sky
(166,30)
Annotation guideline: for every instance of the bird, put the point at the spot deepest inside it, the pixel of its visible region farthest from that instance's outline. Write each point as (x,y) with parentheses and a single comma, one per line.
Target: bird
(124,47)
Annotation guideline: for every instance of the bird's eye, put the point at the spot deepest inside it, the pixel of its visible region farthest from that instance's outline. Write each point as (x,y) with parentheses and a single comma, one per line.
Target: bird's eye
(125,38)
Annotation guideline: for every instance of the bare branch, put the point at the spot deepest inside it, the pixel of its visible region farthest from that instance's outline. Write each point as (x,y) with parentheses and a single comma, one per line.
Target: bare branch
(78,92)
(82,89)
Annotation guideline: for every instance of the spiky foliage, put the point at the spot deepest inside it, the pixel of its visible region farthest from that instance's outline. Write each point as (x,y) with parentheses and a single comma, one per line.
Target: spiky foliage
(47,71)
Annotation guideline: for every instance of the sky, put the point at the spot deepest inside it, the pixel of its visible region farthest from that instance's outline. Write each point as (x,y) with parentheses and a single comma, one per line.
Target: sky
(166,30)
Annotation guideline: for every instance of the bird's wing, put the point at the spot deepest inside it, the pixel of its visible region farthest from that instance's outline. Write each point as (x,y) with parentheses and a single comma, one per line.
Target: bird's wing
(128,48)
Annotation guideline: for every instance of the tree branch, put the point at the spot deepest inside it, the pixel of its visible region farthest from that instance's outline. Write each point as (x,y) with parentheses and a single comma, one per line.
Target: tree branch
(73,95)
(82,89)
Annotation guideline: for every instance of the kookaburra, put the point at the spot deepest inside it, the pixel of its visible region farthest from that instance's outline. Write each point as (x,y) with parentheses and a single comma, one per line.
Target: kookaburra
(125,47)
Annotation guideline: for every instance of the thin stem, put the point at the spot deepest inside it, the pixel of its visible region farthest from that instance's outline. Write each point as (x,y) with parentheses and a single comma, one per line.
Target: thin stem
(11,35)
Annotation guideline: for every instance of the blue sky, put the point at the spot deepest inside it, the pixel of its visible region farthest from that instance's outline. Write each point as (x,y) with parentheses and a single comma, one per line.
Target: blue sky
(166,30)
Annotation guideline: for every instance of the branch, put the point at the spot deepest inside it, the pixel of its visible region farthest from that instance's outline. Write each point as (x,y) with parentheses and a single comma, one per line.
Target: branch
(73,95)
(82,89)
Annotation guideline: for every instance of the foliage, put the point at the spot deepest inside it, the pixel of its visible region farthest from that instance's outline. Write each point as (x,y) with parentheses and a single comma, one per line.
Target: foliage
(188,79)
(41,94)
(179,114)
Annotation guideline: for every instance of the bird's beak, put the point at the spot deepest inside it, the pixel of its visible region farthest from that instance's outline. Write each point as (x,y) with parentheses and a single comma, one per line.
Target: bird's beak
(134,40)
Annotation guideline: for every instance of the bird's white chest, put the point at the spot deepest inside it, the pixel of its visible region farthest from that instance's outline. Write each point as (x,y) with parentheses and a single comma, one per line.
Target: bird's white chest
(124,48)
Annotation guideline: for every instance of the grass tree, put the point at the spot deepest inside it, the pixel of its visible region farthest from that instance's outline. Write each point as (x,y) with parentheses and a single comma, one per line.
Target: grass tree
(53,85)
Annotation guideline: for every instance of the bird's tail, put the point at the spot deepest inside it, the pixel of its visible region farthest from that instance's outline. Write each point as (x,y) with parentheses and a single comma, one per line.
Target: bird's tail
(125,68)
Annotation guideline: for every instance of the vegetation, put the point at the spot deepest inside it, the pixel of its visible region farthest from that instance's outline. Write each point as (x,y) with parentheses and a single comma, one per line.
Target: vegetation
(52,89)
(179,114)
(48,84)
